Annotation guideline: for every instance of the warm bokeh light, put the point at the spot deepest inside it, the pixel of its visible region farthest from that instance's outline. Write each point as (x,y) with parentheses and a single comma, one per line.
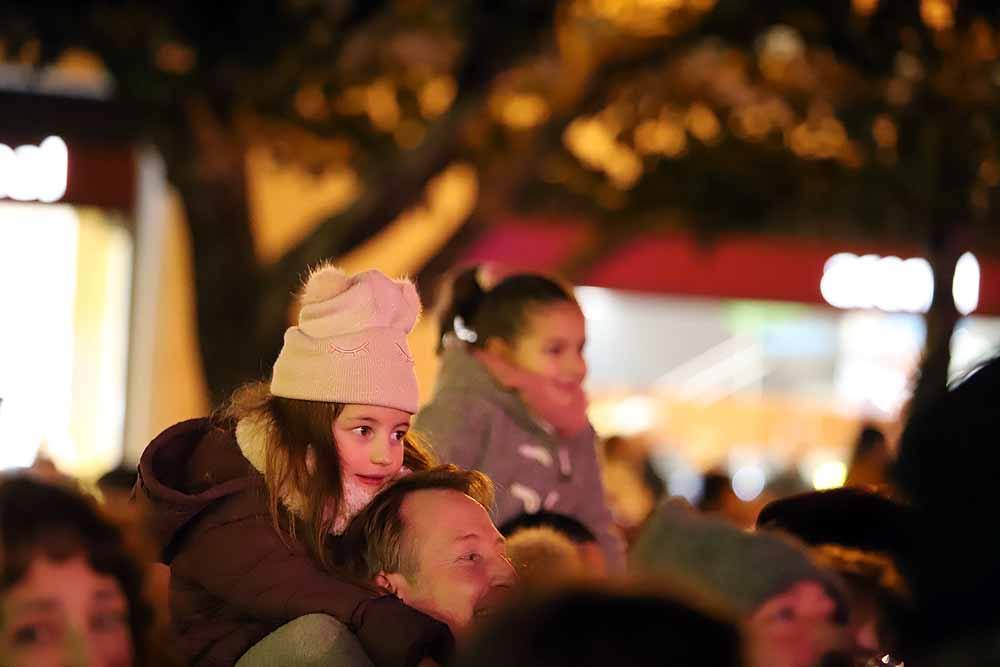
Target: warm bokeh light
(829,475)
(661,136)
(644,18)
(311,103)
(522,111)
(865,7)
(884,131)
(937,14)
(382,106)
(594,144)
(83,67)
(820,138)
(175,58)
(703,123)
(984,41)
(436,96)
(989,172)
(629,416)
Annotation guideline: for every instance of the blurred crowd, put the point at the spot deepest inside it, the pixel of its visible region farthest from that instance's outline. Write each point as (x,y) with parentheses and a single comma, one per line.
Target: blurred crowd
(323,517)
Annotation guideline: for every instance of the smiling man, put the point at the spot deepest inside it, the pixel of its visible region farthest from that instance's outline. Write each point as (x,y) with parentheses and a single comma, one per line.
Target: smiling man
(429,540)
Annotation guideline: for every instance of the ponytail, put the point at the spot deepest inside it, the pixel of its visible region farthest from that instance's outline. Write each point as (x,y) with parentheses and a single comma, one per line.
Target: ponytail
(474,315)
(465,297)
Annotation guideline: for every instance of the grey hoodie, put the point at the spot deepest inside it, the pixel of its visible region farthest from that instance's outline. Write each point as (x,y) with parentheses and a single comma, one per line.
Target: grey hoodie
(475,423)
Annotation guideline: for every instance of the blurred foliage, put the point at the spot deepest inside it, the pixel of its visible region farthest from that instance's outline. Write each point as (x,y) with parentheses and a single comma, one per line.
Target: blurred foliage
(833,118)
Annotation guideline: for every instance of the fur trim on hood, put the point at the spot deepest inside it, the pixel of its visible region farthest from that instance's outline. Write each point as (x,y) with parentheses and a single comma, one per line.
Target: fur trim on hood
(252,435)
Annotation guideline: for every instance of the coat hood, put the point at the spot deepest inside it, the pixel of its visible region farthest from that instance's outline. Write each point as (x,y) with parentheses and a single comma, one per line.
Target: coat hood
(186,469)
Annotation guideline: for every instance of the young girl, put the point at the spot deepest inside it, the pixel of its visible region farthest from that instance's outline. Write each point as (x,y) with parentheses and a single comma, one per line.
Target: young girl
(246,504)
(510,402)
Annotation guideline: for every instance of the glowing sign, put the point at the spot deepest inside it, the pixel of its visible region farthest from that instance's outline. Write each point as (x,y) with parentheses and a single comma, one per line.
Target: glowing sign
(34,173)
(893,284)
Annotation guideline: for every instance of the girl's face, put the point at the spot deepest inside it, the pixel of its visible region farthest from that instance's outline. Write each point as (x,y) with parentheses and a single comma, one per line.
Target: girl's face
(370,443)
(551,344)
(65,613)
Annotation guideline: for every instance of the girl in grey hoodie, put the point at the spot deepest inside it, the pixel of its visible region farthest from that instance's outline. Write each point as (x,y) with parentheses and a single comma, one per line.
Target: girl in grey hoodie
(510,402)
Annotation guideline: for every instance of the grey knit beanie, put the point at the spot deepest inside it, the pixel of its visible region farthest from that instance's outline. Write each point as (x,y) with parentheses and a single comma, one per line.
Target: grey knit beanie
(721,566)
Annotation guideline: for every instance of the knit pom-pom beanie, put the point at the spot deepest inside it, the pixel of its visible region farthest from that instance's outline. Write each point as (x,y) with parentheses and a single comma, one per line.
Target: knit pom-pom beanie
(350,343)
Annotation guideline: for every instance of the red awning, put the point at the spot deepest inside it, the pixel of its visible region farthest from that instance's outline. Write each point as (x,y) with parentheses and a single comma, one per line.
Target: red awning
(748,267)
(733,267)
(529,245)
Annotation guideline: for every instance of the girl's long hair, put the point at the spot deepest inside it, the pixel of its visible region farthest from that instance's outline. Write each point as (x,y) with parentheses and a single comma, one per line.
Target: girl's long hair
(302,461)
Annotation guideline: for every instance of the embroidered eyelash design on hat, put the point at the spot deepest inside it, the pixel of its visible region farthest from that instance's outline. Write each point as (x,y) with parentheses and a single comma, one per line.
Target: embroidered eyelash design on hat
(404,353)
(361,349)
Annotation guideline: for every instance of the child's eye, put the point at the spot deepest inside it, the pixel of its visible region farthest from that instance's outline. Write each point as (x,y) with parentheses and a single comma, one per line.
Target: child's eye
(364,431)
(399,435)
(471,557)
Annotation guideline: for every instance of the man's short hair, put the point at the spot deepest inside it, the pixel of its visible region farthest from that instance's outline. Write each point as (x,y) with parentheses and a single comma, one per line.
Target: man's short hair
(373,542)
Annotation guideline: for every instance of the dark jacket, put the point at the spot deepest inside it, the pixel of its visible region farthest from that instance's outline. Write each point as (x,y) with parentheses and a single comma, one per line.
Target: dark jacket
(475,423)
(234,579)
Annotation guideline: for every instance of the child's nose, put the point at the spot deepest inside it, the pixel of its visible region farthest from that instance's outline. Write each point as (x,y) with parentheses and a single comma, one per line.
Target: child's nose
(380,454)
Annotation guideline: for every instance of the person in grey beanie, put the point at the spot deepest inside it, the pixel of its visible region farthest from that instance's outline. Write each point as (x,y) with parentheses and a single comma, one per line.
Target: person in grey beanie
(793,612)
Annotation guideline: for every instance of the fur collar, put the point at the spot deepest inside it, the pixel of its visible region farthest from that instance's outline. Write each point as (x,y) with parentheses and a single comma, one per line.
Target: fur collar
(251,436)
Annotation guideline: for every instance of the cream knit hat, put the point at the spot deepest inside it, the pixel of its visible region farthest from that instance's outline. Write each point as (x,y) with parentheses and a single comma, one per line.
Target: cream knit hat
(350,344)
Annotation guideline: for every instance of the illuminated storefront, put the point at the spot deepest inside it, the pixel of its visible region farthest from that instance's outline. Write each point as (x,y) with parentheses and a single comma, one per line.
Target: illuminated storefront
(70,192)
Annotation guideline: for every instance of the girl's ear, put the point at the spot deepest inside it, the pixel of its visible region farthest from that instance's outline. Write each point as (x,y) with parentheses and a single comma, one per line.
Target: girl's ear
(498,347)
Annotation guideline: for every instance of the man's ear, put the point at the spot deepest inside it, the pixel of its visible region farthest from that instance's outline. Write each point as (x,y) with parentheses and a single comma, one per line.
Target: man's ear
(383,581)
(393,583)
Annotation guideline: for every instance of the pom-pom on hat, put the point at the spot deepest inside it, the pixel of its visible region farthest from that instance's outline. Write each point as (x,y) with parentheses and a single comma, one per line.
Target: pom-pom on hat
(350,344)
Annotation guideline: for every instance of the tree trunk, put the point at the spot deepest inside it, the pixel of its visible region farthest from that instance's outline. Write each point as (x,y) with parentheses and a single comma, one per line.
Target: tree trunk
(952,175)
(208,169)
(940,320)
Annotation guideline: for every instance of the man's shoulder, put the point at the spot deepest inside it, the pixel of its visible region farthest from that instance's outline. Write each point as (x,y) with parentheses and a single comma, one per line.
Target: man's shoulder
(313,640)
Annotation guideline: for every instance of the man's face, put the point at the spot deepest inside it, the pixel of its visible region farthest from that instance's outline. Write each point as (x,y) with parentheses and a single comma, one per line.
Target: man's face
(461,568)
